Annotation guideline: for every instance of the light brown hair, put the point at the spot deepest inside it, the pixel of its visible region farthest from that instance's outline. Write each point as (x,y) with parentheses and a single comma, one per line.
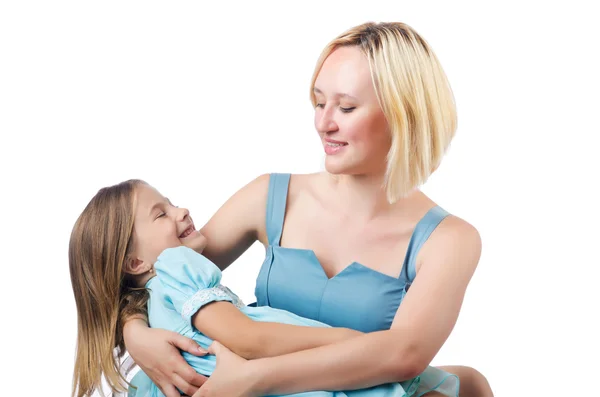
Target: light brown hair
(100,242)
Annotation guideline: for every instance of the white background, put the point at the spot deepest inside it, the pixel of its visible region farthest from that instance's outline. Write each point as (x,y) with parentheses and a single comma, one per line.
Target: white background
(199,99)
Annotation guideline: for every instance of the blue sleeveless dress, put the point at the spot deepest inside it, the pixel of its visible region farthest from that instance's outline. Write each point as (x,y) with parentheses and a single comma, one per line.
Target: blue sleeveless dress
(358,297)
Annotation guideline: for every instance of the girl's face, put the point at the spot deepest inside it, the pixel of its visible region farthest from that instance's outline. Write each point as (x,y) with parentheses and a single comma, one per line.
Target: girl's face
(350,122)
(159,225)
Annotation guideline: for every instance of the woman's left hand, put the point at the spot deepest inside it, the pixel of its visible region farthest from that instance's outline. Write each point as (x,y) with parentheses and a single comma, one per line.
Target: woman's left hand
(233,375)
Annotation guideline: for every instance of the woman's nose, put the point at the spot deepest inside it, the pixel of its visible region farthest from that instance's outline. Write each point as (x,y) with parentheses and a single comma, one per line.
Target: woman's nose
(325,122)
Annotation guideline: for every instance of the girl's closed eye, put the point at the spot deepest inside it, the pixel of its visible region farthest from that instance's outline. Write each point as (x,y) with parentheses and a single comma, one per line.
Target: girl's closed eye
(161,215)
(347,110)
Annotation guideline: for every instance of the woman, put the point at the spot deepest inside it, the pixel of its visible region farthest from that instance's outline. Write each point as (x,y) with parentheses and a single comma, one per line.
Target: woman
(357,246)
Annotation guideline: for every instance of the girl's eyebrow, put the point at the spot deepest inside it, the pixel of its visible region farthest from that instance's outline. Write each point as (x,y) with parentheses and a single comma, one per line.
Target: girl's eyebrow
(158,204)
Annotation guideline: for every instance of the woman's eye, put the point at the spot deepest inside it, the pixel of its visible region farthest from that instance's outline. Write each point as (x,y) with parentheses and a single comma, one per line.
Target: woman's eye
(161,215)
(347,110)
(320,105)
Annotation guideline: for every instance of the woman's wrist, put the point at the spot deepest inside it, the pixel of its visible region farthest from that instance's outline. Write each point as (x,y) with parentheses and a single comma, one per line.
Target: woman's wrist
(259,377)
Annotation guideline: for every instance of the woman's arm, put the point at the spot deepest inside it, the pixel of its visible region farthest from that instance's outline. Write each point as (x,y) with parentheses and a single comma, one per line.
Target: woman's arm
(422,324)
(238,223)
(223,322)
(157,353)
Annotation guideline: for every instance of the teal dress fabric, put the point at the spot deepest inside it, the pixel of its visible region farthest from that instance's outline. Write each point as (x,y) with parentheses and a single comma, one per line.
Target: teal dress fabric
(358,297)
(185,282)
(293,281)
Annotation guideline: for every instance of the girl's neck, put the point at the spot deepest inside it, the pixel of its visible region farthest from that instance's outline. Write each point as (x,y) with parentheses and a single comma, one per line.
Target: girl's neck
(140,280)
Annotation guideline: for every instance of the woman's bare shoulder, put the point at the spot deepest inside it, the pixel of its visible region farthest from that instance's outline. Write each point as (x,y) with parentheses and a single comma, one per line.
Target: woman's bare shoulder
(453,237)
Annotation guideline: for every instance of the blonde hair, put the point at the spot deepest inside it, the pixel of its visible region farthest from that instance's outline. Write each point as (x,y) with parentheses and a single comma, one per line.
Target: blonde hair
(414,95)
(100,242)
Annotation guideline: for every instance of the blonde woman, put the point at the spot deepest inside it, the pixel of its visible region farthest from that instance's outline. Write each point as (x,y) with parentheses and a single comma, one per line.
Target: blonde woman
(357,246)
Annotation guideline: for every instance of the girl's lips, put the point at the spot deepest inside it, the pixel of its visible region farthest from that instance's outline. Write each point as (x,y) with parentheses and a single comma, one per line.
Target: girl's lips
(187,231)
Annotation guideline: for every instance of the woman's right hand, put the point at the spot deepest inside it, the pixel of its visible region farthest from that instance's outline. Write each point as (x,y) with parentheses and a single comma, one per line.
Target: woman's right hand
(157,353)
(233,375)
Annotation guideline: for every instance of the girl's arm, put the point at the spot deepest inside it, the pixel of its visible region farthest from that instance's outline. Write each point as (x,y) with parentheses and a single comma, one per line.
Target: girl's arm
(223,322)
(190,284)
(422,324)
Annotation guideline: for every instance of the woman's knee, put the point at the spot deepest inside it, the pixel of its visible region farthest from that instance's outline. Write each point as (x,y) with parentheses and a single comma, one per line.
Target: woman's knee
(472,382)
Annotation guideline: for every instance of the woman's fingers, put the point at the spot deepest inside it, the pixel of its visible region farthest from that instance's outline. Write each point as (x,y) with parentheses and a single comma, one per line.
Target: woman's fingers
(183,385)
(169,390)
(189,375)
(215,348)
(188,345)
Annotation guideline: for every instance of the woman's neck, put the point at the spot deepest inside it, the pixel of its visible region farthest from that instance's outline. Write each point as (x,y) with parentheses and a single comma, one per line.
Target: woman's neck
(362,195)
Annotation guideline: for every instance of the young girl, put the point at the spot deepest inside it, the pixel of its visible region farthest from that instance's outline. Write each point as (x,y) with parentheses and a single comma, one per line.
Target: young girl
(132,252)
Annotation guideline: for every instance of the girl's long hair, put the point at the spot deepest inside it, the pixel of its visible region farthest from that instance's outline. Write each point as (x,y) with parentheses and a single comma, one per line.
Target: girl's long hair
(100,242)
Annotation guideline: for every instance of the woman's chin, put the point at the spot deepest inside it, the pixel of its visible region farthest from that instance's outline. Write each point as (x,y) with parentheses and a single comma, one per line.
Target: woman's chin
(339,168)
(335,167)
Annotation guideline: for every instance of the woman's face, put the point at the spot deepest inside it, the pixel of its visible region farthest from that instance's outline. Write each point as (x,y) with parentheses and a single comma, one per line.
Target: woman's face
(350,122)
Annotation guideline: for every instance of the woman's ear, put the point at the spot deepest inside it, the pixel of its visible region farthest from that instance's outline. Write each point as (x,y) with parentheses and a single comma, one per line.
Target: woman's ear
(136,266)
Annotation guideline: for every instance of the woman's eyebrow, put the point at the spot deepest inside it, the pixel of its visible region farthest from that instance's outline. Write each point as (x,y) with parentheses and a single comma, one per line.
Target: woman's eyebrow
(335,94)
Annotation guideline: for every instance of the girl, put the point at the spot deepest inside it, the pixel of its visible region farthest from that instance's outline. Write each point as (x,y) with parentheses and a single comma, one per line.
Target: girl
(131,252)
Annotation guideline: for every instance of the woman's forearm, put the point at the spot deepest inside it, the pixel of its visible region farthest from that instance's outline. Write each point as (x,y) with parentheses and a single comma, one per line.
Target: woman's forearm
(361,362)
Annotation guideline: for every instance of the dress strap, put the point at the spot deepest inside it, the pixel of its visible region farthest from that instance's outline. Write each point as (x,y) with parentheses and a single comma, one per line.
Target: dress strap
(276,202)
(422,231)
